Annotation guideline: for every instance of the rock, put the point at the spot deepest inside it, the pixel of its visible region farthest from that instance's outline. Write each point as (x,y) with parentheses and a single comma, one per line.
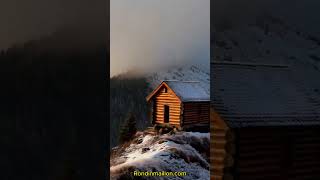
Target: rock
(162,141)
(139,141)
(160,131)
(145,150)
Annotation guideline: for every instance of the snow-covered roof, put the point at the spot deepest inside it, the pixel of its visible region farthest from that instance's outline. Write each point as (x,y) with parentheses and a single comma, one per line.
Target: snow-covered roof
(253,95)
(188,90)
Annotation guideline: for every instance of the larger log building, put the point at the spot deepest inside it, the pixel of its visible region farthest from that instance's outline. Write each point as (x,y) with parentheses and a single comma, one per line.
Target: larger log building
(264,123)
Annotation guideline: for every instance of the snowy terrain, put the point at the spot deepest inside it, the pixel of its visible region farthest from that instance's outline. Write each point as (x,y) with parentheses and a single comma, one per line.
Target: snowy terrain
(184,151)
(269,40)
(273,41)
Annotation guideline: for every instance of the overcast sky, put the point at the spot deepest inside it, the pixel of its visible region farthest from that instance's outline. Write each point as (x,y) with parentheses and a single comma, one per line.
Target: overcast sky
(22,20)
(145,29)
(148,34)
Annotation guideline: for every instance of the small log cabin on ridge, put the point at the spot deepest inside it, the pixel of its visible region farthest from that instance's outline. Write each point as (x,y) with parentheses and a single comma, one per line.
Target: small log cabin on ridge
(181,104)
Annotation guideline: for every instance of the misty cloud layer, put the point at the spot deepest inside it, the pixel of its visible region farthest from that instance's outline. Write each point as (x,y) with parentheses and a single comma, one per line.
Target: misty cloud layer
(151,34)
(26,20)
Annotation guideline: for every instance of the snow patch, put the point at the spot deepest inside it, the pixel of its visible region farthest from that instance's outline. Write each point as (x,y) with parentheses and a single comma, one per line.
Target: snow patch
(178,152)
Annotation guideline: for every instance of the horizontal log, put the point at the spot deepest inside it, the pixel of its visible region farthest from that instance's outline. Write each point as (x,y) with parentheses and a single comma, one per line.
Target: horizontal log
(203,112)
(170,114)
(259,162)
(166,94)
(171,106)
(161,99)
(173,123)
(175,120)
(161,116)
(195,120)
(161,106)
(258,154)
(196,108)
(219,143)
(176,116)
(217,152)
(216,177)
(191,114)
(257,169)
(218,167)
(167,98)
(168,101)
(161,109)
(191,118)
(216,171)
(215,130)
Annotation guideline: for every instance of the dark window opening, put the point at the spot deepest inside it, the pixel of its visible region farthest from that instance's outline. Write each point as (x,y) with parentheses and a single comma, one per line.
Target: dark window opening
(166,114)
(165,90)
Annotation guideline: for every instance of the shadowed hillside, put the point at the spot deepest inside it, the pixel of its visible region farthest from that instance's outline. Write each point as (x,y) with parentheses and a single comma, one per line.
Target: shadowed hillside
(53,107)
(127,95)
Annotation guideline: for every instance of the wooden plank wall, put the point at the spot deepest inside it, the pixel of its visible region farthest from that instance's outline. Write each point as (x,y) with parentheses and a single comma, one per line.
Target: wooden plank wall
(278,153)
(196,113)
(222,148)
(174,104)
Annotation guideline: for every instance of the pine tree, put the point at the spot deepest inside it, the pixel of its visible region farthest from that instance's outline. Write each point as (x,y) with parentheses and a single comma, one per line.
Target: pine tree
(128,129)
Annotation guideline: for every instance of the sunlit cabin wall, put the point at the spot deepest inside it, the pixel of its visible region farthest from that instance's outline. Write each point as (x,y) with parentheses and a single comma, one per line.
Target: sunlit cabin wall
(170,99)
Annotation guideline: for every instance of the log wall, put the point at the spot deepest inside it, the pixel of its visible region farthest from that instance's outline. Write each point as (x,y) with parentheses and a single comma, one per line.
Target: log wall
(278,153)
(222,148)
(196,113)
(174,103)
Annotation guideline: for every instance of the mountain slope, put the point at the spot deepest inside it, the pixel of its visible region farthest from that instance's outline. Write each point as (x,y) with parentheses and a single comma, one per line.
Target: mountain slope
(269,40)
(273,41)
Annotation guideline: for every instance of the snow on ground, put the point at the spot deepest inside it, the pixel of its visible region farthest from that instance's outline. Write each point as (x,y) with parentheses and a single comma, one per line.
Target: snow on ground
(271,41)
(175,153)
(280,43)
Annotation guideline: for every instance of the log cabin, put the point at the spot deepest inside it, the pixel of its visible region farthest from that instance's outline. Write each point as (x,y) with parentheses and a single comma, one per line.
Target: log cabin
(264,123)
(181,104)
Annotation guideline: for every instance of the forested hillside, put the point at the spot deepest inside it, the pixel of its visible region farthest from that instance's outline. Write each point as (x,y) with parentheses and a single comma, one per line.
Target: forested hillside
(53,108)
(127,95)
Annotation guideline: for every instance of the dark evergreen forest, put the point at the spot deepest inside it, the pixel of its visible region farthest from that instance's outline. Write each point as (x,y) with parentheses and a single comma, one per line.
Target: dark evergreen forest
(53,107)
(127,95)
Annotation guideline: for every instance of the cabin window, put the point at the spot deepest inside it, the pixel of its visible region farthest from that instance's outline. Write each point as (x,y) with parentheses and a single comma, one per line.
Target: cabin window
(165,90)
(166,114)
